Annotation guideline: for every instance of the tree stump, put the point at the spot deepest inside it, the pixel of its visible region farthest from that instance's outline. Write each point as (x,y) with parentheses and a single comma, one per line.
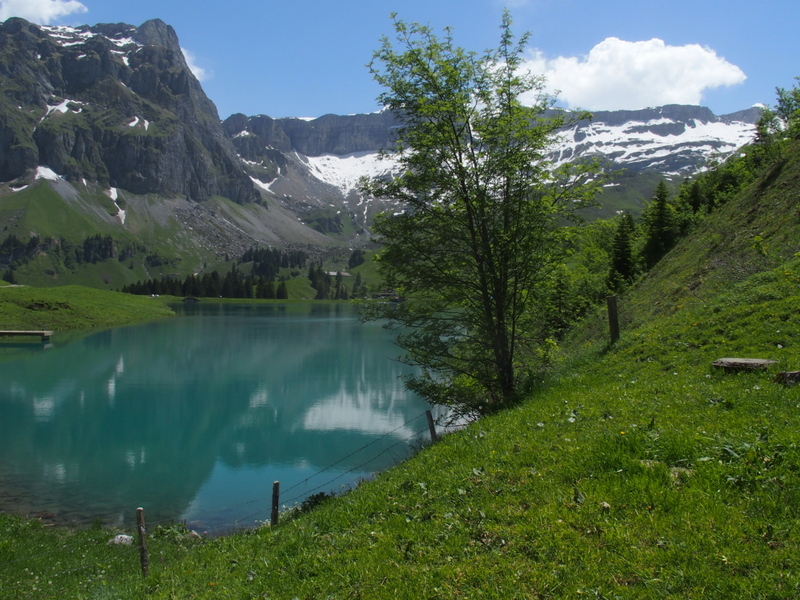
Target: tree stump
(787,377)
(743,364)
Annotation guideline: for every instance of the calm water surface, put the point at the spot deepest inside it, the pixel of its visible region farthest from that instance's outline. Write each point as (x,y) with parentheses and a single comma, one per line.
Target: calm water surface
(193,418)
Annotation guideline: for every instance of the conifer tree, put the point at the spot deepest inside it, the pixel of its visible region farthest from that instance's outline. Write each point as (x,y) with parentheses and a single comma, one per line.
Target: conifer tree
(283,292)
(623,264)
(660,224)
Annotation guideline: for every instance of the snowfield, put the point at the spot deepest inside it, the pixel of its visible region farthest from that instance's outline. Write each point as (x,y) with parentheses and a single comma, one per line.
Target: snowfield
(344,172)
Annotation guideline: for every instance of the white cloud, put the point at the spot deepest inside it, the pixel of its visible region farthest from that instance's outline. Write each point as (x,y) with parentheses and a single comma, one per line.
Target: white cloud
(42,12)
(629,75)
(198,71)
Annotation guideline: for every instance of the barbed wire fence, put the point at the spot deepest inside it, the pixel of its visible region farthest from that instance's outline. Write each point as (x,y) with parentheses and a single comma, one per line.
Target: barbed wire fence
(292,497)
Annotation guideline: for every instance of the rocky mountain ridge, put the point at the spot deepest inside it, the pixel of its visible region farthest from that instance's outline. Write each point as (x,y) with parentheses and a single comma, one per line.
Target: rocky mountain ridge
(364,133)
(315,165)
(114,104)
(111,118)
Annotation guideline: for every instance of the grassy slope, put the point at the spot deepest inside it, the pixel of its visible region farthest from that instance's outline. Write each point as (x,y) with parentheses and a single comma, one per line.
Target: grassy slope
(39,209)
(74,307)
(757,232)
(638,471)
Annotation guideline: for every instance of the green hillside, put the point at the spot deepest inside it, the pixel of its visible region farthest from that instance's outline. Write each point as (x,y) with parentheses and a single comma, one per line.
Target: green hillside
(74,308)
(637,470)
(757,232)
(152,243)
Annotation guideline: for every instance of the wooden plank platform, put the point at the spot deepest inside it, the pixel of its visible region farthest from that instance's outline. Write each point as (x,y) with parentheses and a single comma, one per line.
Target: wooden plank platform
(743,364)
(43,334)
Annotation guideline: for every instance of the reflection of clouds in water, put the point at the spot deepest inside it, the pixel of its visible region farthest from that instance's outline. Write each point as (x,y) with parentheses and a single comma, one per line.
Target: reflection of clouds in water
(133,460)
(111,386)
(55,472)
(369,413)
(272,406)
(259,398)
(255,414)
(44,408)
(303,464)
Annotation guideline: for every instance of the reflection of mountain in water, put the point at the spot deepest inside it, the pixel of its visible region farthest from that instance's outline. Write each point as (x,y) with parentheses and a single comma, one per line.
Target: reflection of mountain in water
(141,415)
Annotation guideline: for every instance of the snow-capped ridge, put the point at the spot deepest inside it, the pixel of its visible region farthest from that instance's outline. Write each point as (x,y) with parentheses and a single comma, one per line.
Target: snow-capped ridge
(674,140)
(321,162)
(66,36)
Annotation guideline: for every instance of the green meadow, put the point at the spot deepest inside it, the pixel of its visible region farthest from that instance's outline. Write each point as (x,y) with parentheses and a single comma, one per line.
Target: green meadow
(74,308)
(634,470)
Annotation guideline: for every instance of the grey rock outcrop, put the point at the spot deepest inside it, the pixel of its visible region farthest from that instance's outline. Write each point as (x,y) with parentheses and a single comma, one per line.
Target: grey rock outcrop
(112,103)
(329,134)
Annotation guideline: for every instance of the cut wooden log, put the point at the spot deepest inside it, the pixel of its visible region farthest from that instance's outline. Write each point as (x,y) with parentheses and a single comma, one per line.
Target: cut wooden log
(743,364)
(787,377)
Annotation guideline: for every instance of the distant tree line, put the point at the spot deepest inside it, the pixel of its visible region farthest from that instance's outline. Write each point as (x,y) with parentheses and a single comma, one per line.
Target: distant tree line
(258,282)
(94,249)
(15,251)
(332,286)
(268,262)
(234,284)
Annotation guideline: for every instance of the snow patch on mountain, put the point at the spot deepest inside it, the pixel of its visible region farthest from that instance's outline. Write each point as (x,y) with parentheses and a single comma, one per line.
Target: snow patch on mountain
(344,172)
(61,107)
(113,193)
(672,147)
(47,173)
(261,185)
(136,121)
(67,36)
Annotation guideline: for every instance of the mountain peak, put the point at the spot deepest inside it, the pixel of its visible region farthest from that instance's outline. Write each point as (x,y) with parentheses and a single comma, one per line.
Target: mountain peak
(112,103)
(156,33)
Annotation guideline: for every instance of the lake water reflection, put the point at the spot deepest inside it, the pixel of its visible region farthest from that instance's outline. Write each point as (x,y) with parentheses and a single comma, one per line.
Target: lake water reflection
(194,417)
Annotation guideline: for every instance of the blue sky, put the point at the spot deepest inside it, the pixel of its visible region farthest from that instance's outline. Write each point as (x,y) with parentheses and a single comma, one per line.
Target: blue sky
(306,58)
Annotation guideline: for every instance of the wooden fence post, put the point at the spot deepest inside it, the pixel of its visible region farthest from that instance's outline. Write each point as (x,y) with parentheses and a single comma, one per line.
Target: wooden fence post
(613,318)
(431,426)
(143,556)
(276,494)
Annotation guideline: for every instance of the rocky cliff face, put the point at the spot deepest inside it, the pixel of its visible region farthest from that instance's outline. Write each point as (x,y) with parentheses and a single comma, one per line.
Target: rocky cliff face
(115,104)
(636,140)
(112,111)
(314,166)
(330,134)
(669,140)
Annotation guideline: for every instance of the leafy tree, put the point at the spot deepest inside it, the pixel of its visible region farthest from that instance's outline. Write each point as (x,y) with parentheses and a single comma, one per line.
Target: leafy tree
(482,227)
(782,121)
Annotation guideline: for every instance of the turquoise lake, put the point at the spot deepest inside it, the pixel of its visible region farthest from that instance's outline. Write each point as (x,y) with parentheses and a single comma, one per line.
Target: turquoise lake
(193,418)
